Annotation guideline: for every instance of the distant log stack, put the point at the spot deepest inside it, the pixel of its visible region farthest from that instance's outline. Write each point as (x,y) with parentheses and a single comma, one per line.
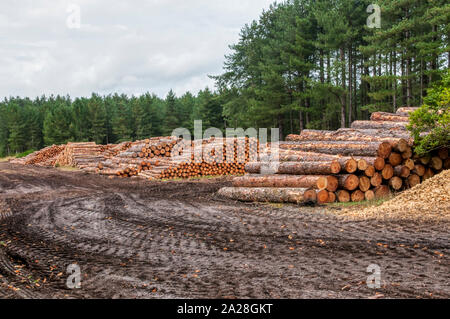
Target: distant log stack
(365,162)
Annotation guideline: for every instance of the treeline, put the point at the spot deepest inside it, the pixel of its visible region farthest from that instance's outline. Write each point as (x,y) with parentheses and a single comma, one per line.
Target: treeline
(32,124)
(316,63)
(303,64)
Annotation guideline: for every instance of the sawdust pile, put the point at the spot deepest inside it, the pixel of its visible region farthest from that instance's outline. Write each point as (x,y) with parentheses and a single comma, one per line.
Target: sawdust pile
(428,201)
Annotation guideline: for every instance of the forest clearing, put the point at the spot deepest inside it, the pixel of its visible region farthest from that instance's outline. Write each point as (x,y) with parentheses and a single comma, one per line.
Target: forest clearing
(241,151)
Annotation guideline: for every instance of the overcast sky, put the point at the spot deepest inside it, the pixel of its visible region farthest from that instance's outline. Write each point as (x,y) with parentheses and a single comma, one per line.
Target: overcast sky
(121,46)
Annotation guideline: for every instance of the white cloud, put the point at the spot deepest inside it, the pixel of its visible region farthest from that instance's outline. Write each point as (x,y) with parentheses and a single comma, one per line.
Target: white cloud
(122,46)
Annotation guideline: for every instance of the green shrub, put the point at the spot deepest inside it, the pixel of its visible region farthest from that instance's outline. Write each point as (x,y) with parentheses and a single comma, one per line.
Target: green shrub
(432,118)
(26,153)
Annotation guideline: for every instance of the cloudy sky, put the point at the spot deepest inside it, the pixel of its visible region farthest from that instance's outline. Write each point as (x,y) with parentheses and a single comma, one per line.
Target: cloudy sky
(120,46)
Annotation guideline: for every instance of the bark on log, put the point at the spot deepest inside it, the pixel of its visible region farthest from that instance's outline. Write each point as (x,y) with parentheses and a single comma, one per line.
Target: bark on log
(335,148)
(297,168)
(406,110)
(272,195)
(348,134)
(379,125)
(290,181)
(390,117)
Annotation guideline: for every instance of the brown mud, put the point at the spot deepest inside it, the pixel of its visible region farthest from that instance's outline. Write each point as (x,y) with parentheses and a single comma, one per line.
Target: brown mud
(140,239)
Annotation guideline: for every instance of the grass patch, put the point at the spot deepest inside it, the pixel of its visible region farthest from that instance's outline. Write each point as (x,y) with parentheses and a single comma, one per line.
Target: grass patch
(364,204)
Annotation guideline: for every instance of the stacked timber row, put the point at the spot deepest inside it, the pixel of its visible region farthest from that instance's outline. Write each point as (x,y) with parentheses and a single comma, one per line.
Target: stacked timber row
(171,158)
(364,162)
(82,155)
(45,157)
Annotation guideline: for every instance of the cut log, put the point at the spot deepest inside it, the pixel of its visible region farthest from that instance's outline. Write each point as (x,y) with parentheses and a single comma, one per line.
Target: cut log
(409,163)
(379,163)
(357,196)
(408,153)
(413,180)
(436,163)
(292,181)
(369,195)
(384,150)
(419,170)
(323,197)
(370,171)
(329,183)
(343,196)
(443,153)
(395,159)
(351,166)
(364,183)
(396,183)
(362,165)
(272,195)
(402,171)
(387,172)
(376,179)
(390,117)
(447,163)
(310,196)
(297,168)
(425,160)
(428,173)
(379,125)
(382,191)
(348,182)
(402,145)
(331,197)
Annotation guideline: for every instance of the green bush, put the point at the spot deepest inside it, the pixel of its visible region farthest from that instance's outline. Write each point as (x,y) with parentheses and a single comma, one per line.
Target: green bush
(430,124)
(25,153)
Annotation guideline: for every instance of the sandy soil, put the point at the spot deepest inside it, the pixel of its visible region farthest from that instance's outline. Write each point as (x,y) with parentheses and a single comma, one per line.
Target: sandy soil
(139,239)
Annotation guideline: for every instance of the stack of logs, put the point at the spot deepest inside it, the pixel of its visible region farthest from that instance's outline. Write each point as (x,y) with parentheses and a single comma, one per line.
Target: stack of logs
(343,165)
(45,157)
(168,158)
(82,155)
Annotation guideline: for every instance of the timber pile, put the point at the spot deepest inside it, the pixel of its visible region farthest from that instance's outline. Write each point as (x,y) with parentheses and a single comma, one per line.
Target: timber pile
(82,155)
(353,164)
(172,158)
(45,157)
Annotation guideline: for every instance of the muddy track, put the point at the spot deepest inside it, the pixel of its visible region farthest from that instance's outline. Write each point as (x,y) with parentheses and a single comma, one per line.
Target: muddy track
(138,239)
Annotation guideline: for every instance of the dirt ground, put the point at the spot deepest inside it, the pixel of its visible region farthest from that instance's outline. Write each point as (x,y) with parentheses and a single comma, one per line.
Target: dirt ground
(140,239)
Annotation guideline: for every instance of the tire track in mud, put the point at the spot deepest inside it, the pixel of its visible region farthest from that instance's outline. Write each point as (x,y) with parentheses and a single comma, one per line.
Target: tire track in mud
(135,239)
